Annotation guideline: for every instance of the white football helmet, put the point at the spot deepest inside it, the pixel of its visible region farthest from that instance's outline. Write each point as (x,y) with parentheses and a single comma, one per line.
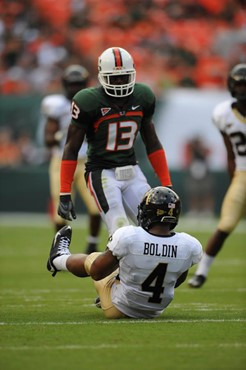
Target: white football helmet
(115,62)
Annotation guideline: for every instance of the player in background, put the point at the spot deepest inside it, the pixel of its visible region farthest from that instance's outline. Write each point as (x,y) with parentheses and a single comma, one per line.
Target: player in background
(56,110)
(142,265)
(110,117)
(230,118)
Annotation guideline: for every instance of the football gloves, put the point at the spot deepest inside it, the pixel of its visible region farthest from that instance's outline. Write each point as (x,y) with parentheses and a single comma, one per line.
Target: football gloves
(66,208)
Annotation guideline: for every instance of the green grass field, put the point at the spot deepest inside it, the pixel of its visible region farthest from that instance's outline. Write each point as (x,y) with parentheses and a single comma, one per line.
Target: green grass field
(51,323)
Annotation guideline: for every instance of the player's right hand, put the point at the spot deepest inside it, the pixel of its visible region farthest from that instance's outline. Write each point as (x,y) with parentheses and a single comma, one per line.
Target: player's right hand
(66,208)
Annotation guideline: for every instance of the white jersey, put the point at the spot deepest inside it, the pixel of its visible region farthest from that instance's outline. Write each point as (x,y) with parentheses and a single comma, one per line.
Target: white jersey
(230,122)
(149,267)
(58,107)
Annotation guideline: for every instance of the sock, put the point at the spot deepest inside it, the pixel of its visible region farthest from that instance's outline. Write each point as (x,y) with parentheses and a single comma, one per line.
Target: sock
(204,265)
(60,262)
(92,239)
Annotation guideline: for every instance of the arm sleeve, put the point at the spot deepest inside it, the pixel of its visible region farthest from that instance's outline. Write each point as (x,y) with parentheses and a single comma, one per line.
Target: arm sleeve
(159,164)
(66,176)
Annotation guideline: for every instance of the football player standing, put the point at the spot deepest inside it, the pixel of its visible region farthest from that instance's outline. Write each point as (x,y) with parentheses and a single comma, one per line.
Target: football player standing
(110,117)
(56,113)
(230,118)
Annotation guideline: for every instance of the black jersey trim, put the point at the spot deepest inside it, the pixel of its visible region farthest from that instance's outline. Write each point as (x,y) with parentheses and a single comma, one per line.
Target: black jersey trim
(96,179)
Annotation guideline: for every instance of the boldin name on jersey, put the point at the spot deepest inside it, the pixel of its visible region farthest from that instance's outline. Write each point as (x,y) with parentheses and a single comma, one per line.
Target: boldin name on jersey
(164,250)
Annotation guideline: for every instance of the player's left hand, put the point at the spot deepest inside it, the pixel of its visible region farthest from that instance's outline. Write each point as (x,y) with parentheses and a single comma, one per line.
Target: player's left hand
(66,208)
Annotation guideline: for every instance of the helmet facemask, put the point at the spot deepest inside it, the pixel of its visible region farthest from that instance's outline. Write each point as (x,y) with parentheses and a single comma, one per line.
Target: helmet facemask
(117,90)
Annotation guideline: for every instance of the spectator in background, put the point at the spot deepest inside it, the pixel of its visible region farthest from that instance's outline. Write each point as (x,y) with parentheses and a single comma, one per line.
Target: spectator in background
(10,153)
(19,149)
(30,154)
(199,182)
(39,38)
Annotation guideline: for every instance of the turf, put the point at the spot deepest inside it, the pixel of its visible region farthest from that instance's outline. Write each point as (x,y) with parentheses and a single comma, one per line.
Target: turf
(51,323)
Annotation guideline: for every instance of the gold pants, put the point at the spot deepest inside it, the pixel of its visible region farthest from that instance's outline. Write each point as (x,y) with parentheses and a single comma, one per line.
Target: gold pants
(234,203)
(103,288)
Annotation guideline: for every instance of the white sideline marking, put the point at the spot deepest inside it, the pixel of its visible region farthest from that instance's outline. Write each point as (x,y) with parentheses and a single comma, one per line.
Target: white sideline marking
(40,291)
(65,347)
(232,345)
(113,346)
(195,345)
(217,291)
(215,309)
(124,321)
(25,293)
(45,305)
(199,304)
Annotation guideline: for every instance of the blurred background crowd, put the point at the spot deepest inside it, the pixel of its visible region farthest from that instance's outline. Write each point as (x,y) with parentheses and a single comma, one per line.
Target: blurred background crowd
(174,42)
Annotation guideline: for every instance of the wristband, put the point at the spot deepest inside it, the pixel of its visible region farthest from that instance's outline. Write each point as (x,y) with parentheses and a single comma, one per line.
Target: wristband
(159,164)
(66,176)
(65,197)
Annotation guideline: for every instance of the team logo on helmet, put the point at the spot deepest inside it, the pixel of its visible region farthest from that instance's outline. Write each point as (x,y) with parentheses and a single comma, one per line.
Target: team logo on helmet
(159,205)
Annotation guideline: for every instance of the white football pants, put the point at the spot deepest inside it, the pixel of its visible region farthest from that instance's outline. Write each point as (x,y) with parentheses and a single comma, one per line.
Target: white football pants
(117,200)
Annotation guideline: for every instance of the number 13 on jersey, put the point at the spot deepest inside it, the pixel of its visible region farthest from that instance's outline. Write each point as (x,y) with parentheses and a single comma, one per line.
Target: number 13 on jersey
(115,134)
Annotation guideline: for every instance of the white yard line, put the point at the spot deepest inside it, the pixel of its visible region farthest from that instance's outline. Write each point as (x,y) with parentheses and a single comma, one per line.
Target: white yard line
(64,347)
(25,293)
(115,346)
(118,322)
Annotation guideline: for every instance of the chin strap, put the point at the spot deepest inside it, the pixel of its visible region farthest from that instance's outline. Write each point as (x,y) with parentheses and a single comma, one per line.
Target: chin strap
(159,164)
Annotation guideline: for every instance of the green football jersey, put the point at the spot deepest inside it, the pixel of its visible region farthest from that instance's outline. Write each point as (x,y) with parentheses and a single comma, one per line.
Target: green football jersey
(111,130)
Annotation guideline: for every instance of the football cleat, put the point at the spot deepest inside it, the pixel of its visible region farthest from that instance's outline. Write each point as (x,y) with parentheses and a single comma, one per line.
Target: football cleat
(59,247)
(97,302)
(197,281)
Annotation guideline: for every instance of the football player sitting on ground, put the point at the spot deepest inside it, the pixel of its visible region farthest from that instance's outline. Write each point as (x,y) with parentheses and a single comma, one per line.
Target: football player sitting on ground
(110,117)
(230,119)
(56,115)
(136,275)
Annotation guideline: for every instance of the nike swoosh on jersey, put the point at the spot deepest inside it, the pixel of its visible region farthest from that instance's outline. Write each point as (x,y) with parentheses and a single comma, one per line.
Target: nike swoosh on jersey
(135,107)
